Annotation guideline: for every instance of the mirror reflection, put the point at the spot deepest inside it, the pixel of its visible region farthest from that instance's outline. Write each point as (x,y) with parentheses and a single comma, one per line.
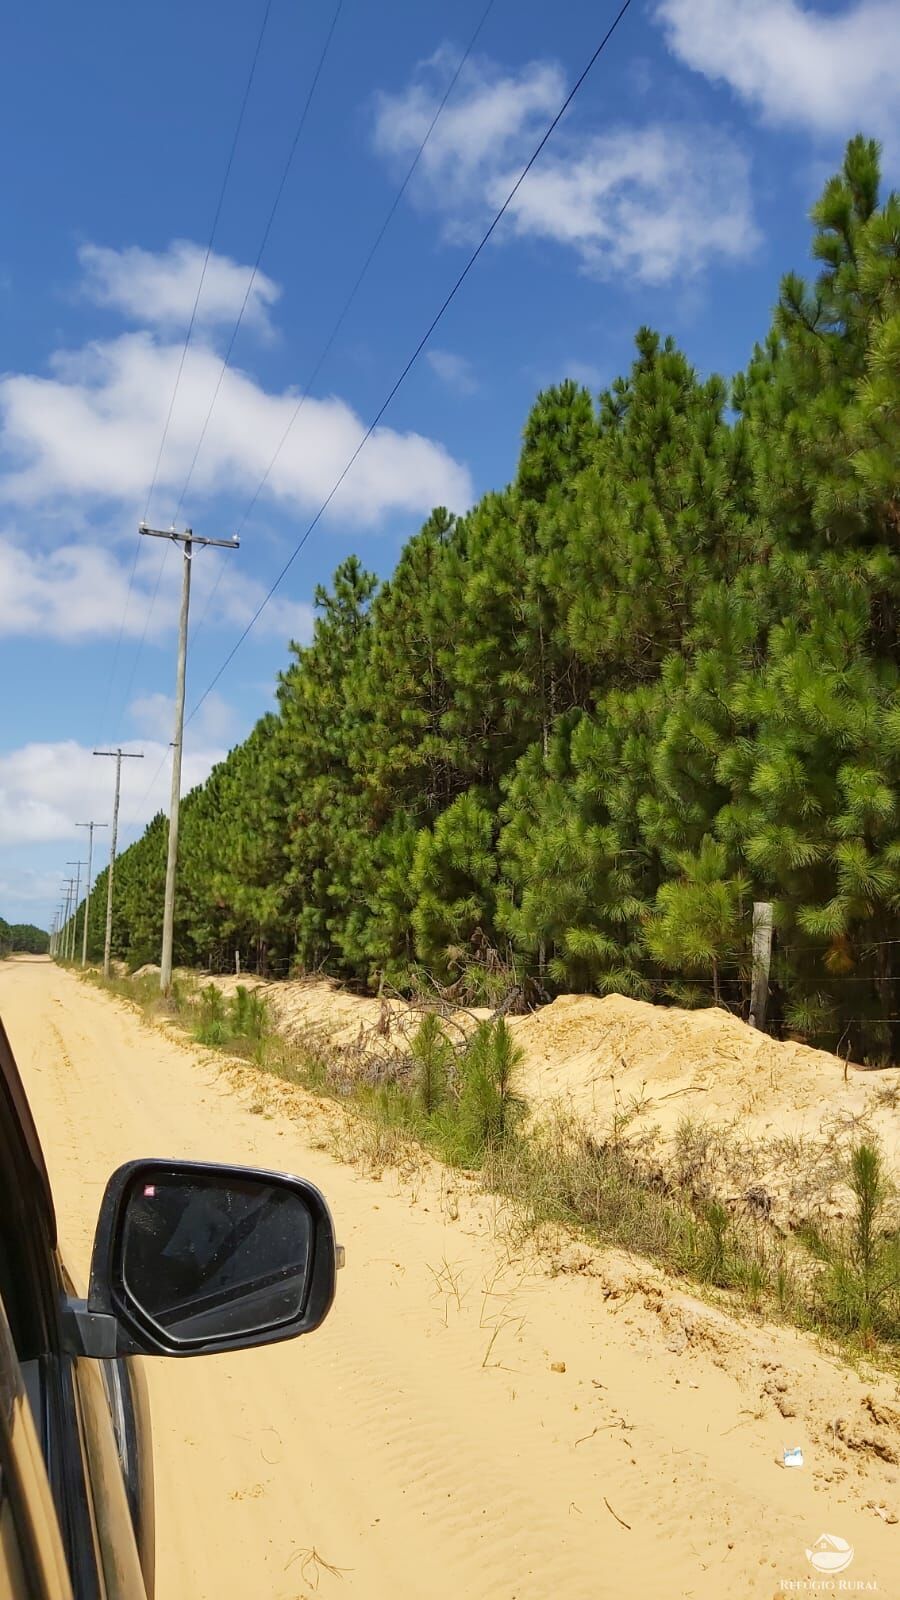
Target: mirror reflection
(206,1256)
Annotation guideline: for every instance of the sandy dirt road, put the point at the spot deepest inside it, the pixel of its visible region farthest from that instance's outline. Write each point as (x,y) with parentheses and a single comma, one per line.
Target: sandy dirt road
(421,1444)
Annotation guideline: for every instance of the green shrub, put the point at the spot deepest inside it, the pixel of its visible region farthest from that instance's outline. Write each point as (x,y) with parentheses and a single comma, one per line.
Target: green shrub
(433,1055)
(860,1281)
(713,1253)
(211,1027)
(249,1015)
(488,1108)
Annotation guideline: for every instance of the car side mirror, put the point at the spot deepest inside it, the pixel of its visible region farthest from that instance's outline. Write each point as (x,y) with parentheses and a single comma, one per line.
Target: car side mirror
(191,1258)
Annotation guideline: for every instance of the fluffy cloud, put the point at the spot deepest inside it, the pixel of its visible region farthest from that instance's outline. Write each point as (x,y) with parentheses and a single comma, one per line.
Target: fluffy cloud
(487,125)
(158,289)
(651,202)
(79,591)
(93,427)
(28,892)
(832,72)
(452,369)
(46,788)
(586,373)
(214,724)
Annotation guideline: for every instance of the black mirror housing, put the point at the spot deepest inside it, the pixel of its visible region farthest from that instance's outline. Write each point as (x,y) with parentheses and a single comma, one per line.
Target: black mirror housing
(191,1258)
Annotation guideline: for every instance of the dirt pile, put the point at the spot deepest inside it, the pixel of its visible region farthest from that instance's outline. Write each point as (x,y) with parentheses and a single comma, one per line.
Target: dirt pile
(722,1102)
(619,1054)
(723,1105)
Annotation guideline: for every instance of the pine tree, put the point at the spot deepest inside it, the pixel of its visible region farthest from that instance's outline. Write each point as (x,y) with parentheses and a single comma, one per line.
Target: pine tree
(654,678)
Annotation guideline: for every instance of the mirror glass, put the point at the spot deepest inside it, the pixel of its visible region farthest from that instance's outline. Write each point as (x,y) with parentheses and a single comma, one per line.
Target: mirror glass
(208,1256)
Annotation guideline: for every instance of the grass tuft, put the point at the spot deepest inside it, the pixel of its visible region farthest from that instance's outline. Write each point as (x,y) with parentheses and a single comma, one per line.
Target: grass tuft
(459,1101)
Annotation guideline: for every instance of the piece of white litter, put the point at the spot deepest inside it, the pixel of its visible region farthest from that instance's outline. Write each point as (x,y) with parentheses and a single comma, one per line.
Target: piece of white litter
(793,1458)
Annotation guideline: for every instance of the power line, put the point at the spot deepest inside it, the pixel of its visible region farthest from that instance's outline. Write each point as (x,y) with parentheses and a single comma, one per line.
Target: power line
(275,204)
(345,309)
(187,339)
(151,785)
(235,330)
(460,280)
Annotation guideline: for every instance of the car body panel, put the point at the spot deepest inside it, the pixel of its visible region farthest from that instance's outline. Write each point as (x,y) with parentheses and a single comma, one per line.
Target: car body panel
(76,1478)
(26,1488)
(34,1155)
(72,1413)
(128,1397)
(122,1575)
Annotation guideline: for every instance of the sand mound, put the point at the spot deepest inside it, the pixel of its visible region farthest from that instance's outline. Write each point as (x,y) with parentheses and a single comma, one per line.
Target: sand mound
(592,1050)
(734,1107)
(783,1114)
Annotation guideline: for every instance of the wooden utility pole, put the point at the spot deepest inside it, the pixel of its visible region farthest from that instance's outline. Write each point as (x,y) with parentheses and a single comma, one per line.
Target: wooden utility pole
(73,931)
(120,756)
(68,884)
(87,898)
(187,540)
(762,958)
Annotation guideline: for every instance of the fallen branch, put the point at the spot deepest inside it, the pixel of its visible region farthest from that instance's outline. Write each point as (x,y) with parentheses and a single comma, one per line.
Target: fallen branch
(585,1437)
(616,1515)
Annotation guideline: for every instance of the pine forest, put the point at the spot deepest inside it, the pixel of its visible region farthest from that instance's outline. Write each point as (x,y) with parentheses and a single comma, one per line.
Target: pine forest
(581,729)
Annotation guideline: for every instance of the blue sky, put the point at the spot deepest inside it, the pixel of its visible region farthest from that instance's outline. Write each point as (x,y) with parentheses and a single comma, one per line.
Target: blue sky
(674,193)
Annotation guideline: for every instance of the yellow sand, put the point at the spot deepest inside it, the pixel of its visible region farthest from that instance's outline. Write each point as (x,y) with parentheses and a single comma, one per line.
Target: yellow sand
(475,1418)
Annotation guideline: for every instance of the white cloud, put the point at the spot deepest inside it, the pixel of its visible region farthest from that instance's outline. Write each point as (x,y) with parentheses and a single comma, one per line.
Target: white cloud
(650,202)
(22,889)
(79,591)
(153,715)
(585,373)
(158,289)
(92,429)
(833,72)
(454,370)
(45,789)
(75,592)
(487,124)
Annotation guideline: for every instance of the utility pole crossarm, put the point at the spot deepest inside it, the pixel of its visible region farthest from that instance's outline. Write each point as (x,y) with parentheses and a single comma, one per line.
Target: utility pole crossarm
(189,537)
(187,540)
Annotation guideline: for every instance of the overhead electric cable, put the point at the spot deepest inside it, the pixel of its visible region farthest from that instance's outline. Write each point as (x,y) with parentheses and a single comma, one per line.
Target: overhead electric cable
(187,338)
(237,325)
(266,231)
(212,234)
(345,309)
(457,285)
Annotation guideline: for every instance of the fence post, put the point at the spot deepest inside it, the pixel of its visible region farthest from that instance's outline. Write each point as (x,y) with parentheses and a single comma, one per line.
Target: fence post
(237,962)
(762,957)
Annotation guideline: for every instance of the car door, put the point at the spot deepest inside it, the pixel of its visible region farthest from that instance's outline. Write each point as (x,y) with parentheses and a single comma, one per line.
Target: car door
(66,1397)
(32,1559)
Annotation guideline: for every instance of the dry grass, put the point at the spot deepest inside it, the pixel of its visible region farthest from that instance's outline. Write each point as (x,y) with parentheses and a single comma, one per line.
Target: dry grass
(697,1208)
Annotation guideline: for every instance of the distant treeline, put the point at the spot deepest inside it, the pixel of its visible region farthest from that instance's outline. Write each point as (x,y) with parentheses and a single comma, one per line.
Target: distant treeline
(582,728)
(23,936)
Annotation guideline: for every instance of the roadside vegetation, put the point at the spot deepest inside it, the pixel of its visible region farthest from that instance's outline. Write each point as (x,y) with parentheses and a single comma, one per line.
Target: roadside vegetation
(22,937)
(582,728)
(453,1093)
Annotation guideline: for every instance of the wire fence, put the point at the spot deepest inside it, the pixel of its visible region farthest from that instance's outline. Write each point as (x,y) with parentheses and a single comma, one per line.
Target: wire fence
(836,1021)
